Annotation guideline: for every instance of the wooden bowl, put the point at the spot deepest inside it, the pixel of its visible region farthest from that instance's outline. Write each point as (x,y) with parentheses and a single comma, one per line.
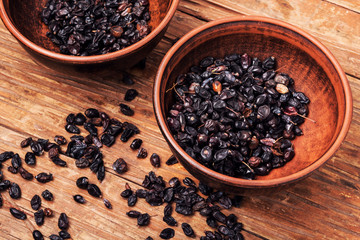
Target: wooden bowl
(314,69)
(22,19)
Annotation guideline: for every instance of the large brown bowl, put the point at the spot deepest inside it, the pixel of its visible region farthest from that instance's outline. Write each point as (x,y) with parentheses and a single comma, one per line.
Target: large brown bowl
(22,19)
(314,69)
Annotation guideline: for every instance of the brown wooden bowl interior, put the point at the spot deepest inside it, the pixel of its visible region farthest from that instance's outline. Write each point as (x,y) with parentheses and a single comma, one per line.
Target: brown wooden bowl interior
(26,18)
(22,18)
(312,70)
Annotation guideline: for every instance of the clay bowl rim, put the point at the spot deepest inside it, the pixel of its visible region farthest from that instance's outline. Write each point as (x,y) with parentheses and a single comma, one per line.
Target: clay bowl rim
(238,182)
(87,59)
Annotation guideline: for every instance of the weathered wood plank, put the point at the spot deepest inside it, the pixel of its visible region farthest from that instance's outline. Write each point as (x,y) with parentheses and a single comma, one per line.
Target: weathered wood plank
(34,101)
(341,33)
(351,5)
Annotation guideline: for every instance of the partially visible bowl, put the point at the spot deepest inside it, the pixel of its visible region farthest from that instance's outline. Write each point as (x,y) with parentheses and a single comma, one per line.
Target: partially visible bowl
(22,19)
(314,69)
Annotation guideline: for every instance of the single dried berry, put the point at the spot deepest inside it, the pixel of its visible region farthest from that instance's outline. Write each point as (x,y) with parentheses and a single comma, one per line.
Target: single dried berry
(167,233)
(82,182)
(136,144)
(25,174)
(130,95)
(168,210)
(107,203)
(132,200)
(44,177)
(281,88)
(60,140)
(141,193)
(143,219)
(64,234)
(35,202)
(63,222)
(126,193)
(94,190)
(48,212)
(127,79)
(12,170)
(16,161)
(142,153)
(155,160)
(170,220)
(4,185)
(107,139)
(18,214)
(71,128)
(79,119)
(15,191)
(55,237)
(37,235)
(59,162)
(26,142)
(188,231)
(53,153)
(47,195)
(39,217)
(171,161)
(92,113)
(133,214)
(120,166)
(126,110)
(79,199)
(30,158)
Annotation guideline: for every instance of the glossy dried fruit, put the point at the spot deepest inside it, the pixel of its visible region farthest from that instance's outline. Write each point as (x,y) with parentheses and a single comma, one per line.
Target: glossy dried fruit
(142,153)
(94,190)
(63,222)
(35,202)
(39,217)
(82,182)
(188,231)
(155,160)
(47,195)
(126,110)
(16,161)
(167,233)
(30,158)
(130,95)
(44,177)
(79,199)
(25,174)
(171,161)
(18,214)
(143,219)
(107,203)
(48,212)
(136,144)
(120,166)
(37,235)
(15,191)
(133,214)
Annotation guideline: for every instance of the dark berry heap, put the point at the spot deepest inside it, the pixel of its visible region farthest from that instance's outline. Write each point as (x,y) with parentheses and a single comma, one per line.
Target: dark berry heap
(102,130)
(237,115)
(94,27)
(186,199)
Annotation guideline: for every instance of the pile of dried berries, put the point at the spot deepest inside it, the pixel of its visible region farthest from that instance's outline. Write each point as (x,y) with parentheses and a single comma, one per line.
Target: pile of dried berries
(187,200)
(237,115)
(94,27)
(86,150)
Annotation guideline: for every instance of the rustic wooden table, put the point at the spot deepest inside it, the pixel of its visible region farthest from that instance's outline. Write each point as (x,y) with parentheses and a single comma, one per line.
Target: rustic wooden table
(34,101)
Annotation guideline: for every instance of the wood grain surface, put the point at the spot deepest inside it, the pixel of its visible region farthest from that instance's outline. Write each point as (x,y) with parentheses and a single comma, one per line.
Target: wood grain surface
(34,101)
